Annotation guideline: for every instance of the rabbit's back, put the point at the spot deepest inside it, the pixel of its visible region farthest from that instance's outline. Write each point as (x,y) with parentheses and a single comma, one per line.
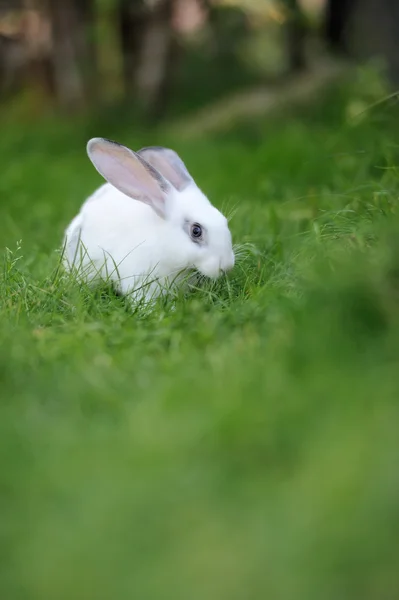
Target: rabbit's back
(114,238)
(109,214)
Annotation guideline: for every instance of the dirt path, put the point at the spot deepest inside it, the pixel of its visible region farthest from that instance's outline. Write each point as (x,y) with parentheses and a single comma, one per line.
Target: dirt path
(222,114)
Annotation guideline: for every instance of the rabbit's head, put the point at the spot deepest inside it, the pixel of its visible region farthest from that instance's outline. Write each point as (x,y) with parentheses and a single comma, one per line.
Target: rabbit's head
(199,233)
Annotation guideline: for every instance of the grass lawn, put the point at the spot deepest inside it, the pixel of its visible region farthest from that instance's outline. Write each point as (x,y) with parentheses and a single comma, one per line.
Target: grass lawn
(243,446)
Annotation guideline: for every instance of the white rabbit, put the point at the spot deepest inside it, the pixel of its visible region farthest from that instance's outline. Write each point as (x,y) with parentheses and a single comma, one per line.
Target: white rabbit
(148,226)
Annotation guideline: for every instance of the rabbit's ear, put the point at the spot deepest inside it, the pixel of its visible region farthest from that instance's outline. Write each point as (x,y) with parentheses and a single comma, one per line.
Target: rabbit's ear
(169,164)
(129,173)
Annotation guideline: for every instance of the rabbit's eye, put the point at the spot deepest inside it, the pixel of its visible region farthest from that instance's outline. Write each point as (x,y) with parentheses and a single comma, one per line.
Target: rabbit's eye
(196,231)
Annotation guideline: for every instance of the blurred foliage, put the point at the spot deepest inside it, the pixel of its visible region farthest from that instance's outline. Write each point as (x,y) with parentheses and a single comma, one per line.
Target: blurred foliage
(84,55)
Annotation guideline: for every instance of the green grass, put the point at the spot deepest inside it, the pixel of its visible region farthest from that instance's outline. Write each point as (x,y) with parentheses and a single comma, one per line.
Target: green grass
(244,445)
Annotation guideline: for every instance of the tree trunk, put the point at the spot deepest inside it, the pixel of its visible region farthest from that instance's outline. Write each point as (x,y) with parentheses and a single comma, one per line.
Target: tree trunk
(365,28)
(155,54)
(68,77)
(166,84)
(337,18)
(132,16)
(295,36)
(375,32)
(149,51)
(86,44)
(12,57)
(73,55)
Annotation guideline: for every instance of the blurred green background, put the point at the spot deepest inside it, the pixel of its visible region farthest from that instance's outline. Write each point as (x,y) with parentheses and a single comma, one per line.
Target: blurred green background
(242,442)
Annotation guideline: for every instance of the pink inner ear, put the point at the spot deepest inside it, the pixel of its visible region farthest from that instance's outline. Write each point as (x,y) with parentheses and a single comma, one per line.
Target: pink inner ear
(124,170)
(168,172)
(168,163)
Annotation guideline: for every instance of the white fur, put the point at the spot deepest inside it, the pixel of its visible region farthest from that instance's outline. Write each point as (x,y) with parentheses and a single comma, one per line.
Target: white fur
(123,240)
